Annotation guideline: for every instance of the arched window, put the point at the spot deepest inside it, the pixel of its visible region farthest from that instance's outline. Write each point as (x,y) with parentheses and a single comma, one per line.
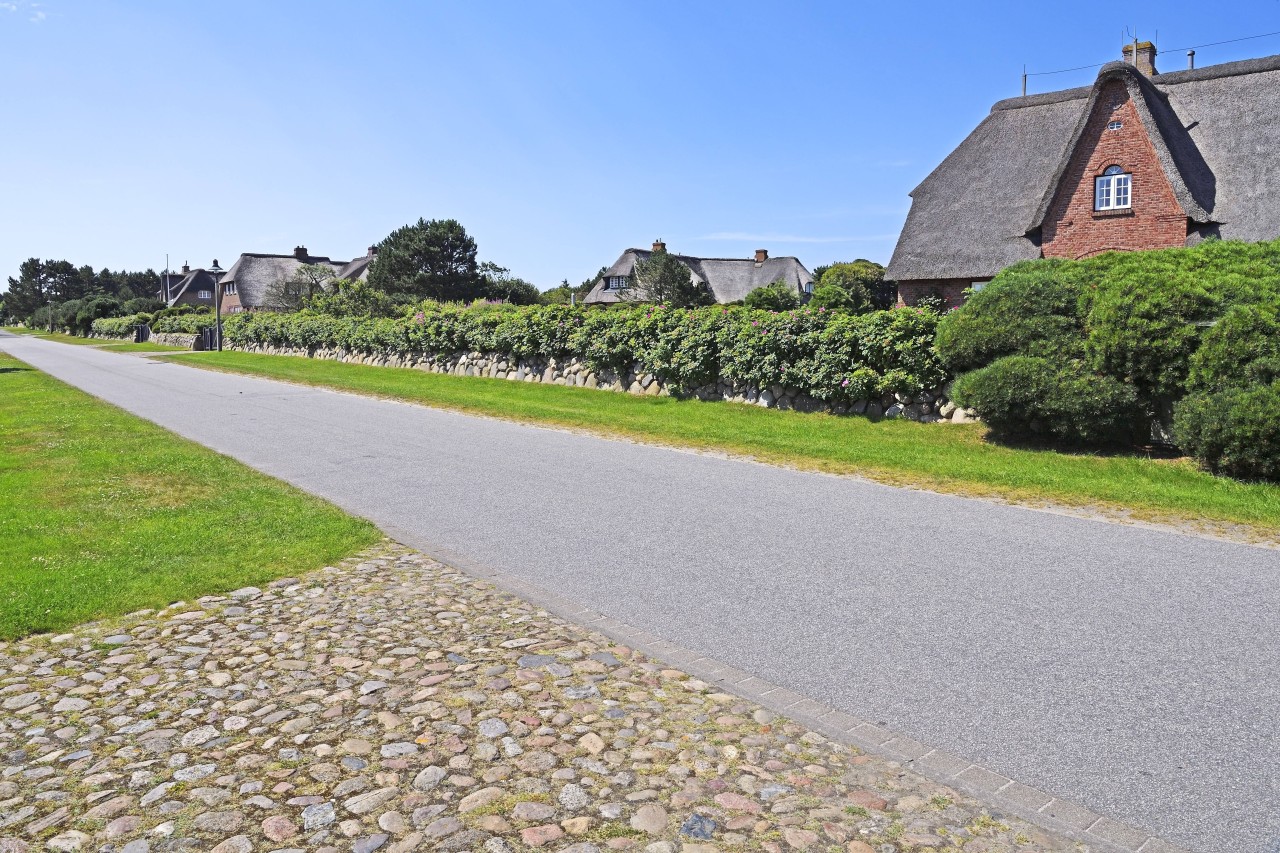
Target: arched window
(1111,191)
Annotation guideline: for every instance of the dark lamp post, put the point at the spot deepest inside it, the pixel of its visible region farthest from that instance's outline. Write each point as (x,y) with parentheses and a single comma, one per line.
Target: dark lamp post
(214,270)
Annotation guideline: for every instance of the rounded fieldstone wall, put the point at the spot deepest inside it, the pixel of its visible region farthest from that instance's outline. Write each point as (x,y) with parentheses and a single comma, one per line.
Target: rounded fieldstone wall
(929,407)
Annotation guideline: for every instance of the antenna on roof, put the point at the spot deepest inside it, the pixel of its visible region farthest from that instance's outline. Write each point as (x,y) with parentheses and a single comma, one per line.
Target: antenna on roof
(1024,79)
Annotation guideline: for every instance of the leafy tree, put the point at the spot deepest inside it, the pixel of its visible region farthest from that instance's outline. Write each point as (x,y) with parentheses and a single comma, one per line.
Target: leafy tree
(355,299)
(663,279)
(429,260)
(499,283)
(832,298)
(291,293)
(143,305)
(860,280)
(779,296)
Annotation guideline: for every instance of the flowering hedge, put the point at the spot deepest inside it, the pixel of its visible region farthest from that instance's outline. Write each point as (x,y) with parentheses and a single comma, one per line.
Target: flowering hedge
(121,327)
(831,356)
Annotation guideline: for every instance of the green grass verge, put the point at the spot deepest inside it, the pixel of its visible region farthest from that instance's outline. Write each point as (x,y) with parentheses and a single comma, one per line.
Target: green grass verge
(21,330)
(944,457)
(103,513)
(72,339)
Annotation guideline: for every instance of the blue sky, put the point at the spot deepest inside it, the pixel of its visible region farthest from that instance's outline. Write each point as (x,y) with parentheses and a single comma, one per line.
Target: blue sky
(558,133)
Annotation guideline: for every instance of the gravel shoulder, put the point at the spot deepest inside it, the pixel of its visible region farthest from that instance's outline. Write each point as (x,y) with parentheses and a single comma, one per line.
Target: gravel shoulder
(394,703)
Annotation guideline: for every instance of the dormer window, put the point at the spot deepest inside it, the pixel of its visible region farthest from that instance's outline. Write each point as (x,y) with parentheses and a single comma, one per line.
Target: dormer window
(616,282)
(1111,191)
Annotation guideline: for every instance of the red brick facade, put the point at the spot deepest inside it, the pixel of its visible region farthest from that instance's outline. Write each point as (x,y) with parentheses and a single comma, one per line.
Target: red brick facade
(950,289)
(1073,229)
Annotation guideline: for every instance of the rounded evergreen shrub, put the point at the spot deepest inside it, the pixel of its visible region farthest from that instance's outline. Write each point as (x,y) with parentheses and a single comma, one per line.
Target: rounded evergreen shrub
(1234,432)
(1242,348)
(1032,397)
(779,296)
(1028,309)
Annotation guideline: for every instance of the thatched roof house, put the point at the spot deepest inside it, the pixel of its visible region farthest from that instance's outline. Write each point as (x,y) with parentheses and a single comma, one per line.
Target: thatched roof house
(245,285)
(1138,160)
(729,279)
(194,288)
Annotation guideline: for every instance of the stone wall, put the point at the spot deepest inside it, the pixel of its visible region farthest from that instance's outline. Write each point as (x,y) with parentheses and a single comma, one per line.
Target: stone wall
(176,339)
(929,407)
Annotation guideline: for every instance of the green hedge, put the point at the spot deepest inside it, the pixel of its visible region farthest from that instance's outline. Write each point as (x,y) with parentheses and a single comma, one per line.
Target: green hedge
(188,324)
(118,327)
(1234,432)
(830,355)
(1030,397)
(1164,324)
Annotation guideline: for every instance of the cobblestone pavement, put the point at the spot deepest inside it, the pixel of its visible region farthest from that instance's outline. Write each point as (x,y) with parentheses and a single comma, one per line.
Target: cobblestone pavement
(396,704)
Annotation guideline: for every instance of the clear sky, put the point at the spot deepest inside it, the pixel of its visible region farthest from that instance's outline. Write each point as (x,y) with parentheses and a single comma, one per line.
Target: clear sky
(559,133)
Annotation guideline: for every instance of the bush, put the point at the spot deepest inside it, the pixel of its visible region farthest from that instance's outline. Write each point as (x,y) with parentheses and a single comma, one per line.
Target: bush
(1031,397)
(94,308)
(117,327)
(1029,309)
(862,282)
(188,323)
(1242,348)
(143,305)
(832,298)
(1234,432)
(778,296)
(835,357)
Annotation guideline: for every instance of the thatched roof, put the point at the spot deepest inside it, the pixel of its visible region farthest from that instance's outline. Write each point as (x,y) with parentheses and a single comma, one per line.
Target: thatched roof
(1216,131)
(730,279)
(358,269)
(253,273)
(193,282)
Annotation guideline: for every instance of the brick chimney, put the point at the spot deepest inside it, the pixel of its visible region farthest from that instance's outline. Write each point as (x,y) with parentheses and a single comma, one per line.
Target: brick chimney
(1146,61)
(300,252)
(659,246)
(186,267)
(373,252)
(762,255)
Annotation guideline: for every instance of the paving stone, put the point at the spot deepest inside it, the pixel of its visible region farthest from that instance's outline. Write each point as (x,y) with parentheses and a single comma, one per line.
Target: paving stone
(315,714)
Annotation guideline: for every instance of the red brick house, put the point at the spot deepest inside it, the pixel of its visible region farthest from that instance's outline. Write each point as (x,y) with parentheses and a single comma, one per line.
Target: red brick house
(1138,160)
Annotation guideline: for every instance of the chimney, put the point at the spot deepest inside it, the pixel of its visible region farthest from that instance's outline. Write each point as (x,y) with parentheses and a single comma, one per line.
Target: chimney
(373,251)
(1146,61)
(186,268)
(762,255)
(1191,60)
(659,246)
(300,252)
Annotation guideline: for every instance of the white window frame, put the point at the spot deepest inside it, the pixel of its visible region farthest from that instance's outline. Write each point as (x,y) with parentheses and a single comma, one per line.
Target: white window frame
(229,289)
(616,282)
(204,294)
(1113,190)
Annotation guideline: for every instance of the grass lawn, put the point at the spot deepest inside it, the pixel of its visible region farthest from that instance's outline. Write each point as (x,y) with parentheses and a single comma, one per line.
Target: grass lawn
(103,513)
(951,458)
(71,339)
(21,330)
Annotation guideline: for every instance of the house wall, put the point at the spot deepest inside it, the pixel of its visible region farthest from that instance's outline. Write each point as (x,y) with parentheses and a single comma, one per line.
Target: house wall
(1073,229)
(950,289)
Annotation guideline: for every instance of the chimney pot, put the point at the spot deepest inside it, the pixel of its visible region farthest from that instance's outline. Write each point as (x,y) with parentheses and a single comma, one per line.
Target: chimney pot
(1191,60)
(373,251)
(1146,57)
(762,255)
(300,252)
(659,246)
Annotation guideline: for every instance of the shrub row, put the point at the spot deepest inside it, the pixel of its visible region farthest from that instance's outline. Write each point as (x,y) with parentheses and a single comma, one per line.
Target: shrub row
(190,323)
(831,356)
(1190,331)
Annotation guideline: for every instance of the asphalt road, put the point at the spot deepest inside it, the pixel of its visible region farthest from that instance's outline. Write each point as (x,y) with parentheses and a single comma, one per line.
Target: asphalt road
(1133,671)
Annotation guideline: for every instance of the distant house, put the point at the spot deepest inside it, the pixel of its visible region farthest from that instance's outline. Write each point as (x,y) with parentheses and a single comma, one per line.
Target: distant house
(1138,160)
(194,287)
(729,279)
(245,285)
(358,270)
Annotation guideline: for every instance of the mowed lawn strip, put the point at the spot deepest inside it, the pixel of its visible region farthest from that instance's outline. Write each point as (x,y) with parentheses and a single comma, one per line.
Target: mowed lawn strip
(103,513)
(945,457)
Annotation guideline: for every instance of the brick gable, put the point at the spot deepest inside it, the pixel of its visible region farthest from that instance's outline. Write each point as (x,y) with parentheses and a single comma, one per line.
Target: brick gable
(1073,229)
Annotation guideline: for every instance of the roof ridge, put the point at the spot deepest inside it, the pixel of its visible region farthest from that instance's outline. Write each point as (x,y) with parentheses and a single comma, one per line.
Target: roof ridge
(744,260)
(1235,68)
